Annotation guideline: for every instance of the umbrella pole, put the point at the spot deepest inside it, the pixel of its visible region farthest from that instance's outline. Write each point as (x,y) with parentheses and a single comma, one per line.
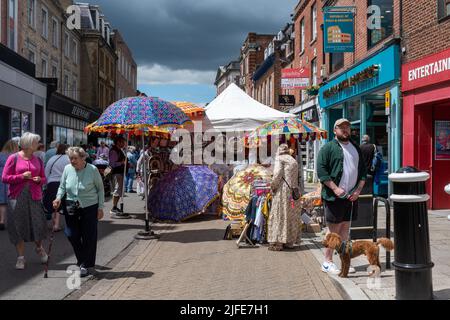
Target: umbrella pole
(147,234)
(124,173)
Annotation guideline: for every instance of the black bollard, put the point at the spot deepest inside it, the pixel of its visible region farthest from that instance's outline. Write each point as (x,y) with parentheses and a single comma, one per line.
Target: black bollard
(413,280)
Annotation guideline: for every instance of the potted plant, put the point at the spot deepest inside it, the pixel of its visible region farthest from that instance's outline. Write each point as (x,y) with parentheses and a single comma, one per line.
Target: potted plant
(312,90)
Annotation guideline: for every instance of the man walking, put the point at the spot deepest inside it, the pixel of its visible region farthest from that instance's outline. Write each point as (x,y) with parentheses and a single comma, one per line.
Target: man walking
(117,162)
(368,151)
(341,170)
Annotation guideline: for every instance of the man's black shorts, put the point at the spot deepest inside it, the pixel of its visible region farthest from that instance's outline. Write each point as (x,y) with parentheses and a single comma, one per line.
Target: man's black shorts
(340,210)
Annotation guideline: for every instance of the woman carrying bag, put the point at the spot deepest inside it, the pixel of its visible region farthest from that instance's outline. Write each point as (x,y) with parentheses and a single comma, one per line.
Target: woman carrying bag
(82,185)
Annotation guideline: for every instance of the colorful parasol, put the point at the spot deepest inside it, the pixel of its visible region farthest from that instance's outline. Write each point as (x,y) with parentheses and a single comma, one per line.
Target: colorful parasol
(183,193)
(192,110)
(236,192)
(139,114)
(296,127)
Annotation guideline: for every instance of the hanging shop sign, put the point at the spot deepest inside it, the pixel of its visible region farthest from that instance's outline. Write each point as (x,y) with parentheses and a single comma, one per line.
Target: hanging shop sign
(368,73)
(295,78)
(286,100)
(339,34)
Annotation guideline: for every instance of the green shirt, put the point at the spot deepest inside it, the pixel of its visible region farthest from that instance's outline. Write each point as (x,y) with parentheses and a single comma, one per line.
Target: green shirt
(330,165)
(85,185)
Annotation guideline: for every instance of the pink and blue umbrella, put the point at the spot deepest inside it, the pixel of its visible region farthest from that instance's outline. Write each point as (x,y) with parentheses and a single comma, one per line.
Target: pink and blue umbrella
(139,113)
(183,193)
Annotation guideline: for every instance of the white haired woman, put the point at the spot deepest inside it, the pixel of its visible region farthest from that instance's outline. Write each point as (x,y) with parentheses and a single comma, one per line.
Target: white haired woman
(82,185)
(25,174)
(284,217)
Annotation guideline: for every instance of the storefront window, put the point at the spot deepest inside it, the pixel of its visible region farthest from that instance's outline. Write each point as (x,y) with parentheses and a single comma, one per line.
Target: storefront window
(354,110)
(385,10)
(25,123)
(15,124)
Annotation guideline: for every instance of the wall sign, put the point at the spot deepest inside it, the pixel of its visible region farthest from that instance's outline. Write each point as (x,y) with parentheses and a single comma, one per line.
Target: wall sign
(339,31)
(442,140)
(365,74)
(297,78)
(286,100)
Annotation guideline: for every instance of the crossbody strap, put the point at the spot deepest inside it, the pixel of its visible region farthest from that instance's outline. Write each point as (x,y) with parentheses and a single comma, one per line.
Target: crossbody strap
(51,168)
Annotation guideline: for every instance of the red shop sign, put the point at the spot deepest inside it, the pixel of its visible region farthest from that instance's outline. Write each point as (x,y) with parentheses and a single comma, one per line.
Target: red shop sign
(295,73)
(424,72)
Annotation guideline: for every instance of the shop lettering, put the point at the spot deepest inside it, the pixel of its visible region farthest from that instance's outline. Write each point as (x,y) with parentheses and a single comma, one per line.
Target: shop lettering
(366,74)
(74,17)
(76,111)
(429,69)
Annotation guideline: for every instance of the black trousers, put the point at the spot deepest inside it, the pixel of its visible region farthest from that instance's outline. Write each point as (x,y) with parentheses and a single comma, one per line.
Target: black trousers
(81,230)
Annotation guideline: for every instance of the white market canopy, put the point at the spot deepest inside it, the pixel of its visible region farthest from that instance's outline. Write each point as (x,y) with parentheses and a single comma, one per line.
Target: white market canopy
(235,110)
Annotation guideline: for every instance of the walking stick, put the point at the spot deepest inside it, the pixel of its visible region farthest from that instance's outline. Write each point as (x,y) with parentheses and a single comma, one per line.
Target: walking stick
(52,236)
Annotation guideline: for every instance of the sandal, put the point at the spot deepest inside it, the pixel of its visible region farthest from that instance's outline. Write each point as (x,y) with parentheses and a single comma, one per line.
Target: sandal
(275,248)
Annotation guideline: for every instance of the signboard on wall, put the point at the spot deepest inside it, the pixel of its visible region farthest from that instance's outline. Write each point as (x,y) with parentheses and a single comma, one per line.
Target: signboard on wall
(442,140)
(286,100)
(339,34)
(295,78)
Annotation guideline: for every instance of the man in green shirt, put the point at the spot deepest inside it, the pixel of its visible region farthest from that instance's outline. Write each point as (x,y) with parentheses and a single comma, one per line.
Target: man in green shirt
(342,172)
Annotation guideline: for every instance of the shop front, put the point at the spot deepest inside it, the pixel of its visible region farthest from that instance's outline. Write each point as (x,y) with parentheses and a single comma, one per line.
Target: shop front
(426,122)
(66,120)
(309,112)
(22,97)
(368,95)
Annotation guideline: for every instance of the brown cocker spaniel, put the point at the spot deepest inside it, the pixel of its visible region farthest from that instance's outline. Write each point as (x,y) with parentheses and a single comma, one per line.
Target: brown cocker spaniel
(353,249)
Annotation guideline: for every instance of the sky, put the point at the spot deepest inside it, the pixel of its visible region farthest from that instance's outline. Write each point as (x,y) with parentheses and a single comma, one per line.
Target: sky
(179,44)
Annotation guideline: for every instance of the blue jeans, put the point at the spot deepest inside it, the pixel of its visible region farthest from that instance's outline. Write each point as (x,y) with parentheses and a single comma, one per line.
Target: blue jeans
(129,182)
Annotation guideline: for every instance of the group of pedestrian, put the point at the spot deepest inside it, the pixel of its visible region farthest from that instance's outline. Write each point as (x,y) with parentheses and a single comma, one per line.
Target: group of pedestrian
(59,181)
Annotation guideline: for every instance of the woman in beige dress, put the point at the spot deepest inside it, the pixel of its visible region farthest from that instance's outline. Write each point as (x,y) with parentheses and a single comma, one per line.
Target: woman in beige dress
(284,219)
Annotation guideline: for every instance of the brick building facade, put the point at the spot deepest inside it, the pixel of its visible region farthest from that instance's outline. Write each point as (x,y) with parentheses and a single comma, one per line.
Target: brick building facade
(126,71)
(252,55)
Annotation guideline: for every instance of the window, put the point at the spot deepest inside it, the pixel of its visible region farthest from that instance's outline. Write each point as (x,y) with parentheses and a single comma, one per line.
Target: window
(54,71)
(31,56)
(336,61)
(12,24)
(313,22)
(44,68)
(31,13)
(74,52)
(314,72)
(443,9)
(44,23)
(66,85)
(374,36)
(119,56)
(302,39)
(101,62)
(55,32)
(74,89)
(66,44)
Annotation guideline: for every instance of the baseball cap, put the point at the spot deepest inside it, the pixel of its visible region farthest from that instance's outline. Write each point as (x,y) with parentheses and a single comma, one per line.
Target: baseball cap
(341,121)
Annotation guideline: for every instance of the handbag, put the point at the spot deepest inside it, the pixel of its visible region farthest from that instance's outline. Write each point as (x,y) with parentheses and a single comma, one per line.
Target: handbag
(72,207)
(295,191)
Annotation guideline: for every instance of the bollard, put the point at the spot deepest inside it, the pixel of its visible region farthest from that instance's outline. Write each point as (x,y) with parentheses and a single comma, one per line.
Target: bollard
(413,280)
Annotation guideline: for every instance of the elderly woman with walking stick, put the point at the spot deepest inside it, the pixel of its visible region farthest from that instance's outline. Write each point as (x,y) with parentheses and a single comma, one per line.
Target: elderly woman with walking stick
(82,185)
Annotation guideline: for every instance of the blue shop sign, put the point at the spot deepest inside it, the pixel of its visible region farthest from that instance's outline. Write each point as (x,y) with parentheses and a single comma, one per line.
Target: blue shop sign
(339,34)
(367,76)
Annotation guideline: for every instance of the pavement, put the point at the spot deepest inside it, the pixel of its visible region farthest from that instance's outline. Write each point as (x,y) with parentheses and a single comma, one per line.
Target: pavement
(192,261)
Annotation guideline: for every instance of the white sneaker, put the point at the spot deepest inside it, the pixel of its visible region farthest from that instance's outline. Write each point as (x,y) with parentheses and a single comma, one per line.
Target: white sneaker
(20,264)
(330,267)
(41,252)
(351,270)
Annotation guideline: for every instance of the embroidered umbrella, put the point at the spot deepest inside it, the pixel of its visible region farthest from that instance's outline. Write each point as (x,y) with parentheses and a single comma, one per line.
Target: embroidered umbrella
(292,127)
(192,110)
(236,192)
(183,193)
(138,115)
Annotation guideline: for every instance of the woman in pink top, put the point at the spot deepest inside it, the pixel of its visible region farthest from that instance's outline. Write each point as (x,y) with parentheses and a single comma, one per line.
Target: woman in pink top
(25,175)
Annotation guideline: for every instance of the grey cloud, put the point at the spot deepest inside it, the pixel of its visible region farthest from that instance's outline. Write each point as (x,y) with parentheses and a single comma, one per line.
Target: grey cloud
(193,34)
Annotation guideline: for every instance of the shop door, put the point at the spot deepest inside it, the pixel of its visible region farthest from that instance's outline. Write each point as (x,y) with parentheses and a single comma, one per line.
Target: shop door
(441,157)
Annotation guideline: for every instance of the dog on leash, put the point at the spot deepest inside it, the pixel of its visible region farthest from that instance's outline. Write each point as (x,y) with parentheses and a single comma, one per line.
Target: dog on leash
(352,249)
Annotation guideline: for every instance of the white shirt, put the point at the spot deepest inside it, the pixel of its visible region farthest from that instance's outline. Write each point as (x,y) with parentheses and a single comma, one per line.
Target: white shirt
(59,162)
(350,173)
